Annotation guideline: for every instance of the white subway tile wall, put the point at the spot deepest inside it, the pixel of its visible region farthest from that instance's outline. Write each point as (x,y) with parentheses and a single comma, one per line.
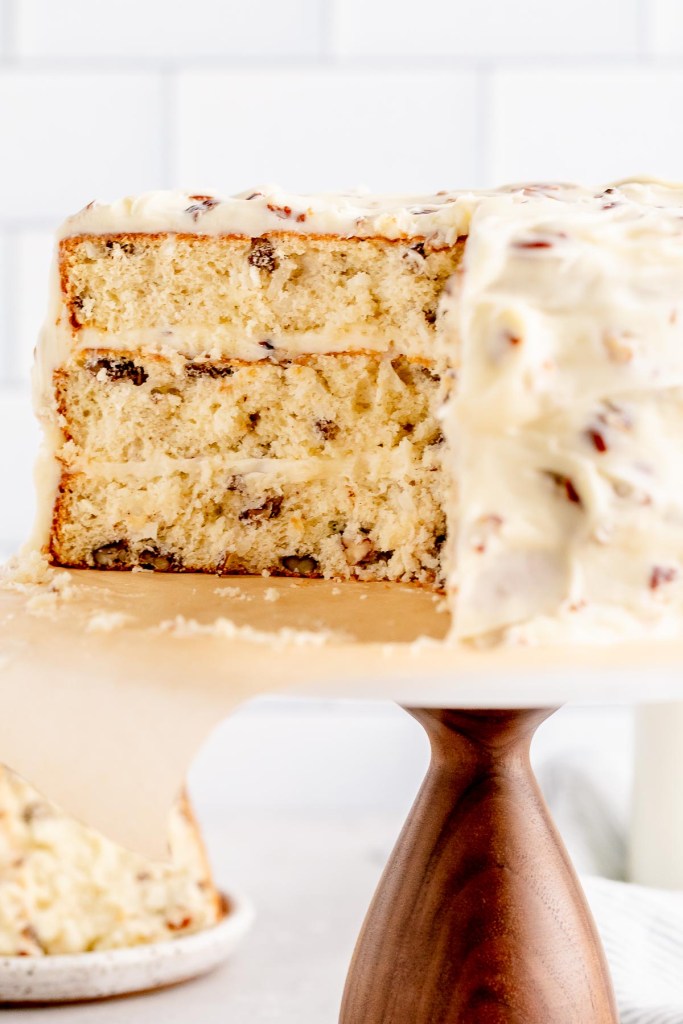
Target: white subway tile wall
(594,124)
(666,32)
(314,128)
(101,99)
(486,29)
(168,29)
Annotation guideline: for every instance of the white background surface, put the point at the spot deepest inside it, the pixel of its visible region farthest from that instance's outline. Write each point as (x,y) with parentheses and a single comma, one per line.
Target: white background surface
(99,99)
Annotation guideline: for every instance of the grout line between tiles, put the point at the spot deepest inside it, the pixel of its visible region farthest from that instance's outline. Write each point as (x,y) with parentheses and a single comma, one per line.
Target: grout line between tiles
(483,126)
(644,30)
(4,311)
(7,28)
(328,62)
(8,376)
(327,29)
(168,129)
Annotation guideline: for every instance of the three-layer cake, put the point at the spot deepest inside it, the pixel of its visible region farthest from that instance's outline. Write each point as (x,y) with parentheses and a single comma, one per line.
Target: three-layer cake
(471,391)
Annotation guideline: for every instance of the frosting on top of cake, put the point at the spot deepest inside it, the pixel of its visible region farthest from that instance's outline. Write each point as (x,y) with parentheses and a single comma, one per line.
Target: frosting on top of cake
(567,418)
(442,217)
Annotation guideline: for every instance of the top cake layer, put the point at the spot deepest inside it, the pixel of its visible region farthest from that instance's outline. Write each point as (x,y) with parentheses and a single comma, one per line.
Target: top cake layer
(241,276)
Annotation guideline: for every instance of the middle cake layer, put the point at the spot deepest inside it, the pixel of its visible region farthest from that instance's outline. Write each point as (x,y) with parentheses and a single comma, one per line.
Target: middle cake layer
(125,406)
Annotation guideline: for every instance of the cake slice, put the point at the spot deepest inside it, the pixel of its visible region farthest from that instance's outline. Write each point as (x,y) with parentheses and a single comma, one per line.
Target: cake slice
(64,888)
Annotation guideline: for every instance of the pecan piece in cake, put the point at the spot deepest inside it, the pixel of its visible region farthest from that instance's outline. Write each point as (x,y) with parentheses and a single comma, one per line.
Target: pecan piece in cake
(415,257)
(378,556)
(327,429)
(269,509)
(262,254)
(202,205)
(303,565)
(662,574)
(620,347)
(212,370)
(36,811)
(357,549)
(112,556)
(547,241)
(31,942)
(178,924)
(152,557)
(120,369)
(126,247)
(360,550)
(283,212)
(597,439)
(565,486)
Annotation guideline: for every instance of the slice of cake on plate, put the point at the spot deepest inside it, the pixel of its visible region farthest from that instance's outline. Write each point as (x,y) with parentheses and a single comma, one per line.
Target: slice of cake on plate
(65,888)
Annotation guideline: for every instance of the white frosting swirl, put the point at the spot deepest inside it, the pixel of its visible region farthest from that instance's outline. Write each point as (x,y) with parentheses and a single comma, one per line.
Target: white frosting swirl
(442,217)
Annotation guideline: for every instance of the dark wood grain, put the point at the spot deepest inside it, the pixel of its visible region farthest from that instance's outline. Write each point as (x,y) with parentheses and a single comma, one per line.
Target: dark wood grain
(479,917)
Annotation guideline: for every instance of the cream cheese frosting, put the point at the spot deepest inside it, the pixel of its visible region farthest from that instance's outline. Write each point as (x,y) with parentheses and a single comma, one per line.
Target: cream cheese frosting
(442,217)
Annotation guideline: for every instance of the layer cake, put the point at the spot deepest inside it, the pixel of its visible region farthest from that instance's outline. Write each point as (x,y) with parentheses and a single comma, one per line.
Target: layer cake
(476,392)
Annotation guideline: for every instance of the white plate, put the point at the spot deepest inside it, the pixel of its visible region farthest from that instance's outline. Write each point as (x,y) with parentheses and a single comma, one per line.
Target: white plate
(116,972)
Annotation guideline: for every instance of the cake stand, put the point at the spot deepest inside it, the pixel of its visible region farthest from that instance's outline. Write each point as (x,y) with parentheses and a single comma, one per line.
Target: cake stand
(479,917)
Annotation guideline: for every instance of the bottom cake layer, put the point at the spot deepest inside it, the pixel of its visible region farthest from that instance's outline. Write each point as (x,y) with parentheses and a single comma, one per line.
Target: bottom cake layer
(377,517)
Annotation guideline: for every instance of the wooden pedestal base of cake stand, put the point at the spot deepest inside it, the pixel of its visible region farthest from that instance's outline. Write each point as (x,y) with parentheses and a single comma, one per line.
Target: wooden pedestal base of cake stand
(479,917)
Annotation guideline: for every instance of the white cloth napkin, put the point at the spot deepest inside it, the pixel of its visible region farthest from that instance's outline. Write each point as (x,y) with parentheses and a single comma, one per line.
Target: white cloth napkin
(642,929)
